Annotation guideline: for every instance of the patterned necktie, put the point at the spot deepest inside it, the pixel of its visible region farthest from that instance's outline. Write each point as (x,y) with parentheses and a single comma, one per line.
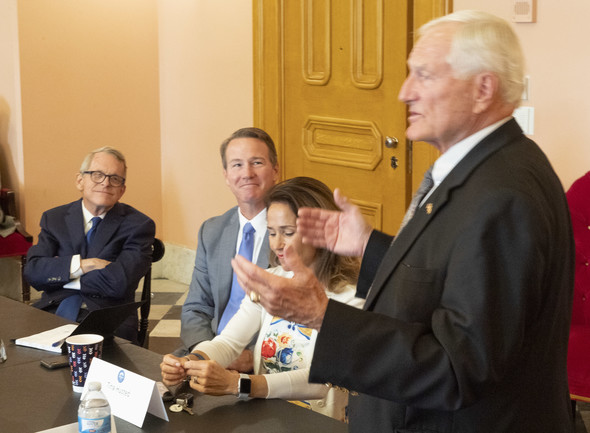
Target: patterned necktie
(425,186)
(92,231)
(237,293)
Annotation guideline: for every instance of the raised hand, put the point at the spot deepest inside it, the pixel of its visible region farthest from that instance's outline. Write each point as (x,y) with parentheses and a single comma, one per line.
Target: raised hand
(300,299)
(344,232)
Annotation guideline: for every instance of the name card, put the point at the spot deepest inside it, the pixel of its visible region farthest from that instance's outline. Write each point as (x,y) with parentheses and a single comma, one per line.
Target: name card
(130,395)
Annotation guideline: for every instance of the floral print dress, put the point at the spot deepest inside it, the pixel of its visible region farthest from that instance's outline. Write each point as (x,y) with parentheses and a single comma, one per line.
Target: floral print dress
(281,347)
(285,347)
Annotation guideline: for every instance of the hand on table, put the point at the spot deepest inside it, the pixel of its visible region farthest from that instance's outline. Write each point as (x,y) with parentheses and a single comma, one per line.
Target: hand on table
(172,369)
(209,377)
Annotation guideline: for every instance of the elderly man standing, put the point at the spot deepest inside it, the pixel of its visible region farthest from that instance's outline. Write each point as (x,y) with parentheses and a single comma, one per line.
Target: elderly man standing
(92,252)
(250,168)
(466,320)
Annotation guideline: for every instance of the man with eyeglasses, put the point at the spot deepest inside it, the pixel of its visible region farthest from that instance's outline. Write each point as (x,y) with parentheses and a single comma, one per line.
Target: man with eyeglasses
(92,252)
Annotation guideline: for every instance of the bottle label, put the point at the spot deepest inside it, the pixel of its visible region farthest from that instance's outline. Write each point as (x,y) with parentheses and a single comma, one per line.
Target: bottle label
(95,425)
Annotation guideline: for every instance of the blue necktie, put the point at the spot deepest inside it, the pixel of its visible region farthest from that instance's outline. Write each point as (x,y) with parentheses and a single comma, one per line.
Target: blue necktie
(92,231)
(237,294)
(70,306)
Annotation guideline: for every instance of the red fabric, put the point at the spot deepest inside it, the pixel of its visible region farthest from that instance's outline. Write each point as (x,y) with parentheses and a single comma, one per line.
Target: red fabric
(14,245)
(578,363)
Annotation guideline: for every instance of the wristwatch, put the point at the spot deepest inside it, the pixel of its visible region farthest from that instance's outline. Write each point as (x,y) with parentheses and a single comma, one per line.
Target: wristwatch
(244,386)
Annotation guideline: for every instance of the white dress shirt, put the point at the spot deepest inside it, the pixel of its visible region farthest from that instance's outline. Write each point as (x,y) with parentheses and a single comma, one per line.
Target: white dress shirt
(259,224)
(75,266)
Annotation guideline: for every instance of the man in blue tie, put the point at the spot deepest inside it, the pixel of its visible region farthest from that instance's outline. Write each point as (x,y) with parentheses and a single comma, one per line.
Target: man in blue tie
(92,252)
(250,168)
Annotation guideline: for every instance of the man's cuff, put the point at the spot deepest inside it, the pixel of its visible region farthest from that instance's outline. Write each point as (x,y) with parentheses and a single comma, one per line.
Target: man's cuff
(74,284)
(75,267)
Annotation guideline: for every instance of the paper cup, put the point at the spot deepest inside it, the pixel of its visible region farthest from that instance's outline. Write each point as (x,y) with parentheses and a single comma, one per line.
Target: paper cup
(82,349)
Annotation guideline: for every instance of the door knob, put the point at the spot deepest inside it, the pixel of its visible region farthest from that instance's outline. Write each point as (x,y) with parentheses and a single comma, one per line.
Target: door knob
(391,142)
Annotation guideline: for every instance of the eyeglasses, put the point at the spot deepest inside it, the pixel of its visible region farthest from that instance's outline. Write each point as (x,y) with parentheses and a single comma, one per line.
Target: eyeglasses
(99,176)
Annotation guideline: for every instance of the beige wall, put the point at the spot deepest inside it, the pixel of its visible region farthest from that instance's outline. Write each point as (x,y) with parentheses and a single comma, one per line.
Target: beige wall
(206,94)
(556,50)
(89,78)
(11,155)
(11,160)
(166,81)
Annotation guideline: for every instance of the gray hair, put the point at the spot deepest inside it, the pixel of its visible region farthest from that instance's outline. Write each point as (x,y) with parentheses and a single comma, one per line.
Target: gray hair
(485,42)
(106,149)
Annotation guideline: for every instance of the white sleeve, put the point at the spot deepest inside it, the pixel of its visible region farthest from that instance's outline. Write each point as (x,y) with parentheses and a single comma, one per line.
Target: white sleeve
(236,335)
(294,385)
(75,267)
(347,296)
(75,273)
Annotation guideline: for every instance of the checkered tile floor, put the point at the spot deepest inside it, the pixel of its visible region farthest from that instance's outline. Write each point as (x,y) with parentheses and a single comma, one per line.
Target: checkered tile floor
(164,319)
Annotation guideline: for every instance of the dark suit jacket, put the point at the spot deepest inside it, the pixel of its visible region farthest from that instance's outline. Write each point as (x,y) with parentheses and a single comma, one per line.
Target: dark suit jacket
(467,319)
(124,237)
(212,277)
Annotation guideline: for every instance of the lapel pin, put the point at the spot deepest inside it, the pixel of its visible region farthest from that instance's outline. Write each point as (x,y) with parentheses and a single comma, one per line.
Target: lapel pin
(429,208)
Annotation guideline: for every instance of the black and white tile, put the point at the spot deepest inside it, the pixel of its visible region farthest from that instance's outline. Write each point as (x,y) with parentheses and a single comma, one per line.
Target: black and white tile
(164,318)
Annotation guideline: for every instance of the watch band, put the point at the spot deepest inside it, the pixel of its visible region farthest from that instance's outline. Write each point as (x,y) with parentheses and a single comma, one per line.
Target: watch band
(244,386)
(198,355)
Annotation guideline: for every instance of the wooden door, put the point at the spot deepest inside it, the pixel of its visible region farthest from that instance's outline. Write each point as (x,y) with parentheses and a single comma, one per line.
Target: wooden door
(327,76)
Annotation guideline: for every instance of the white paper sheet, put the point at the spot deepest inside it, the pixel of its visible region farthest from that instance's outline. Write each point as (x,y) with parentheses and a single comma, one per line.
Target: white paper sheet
(50,340)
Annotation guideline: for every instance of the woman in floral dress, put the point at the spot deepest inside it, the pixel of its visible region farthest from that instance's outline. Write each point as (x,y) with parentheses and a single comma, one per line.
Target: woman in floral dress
(284,349)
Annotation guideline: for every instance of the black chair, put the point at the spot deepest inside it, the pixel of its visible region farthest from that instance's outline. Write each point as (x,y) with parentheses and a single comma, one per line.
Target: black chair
(158,251)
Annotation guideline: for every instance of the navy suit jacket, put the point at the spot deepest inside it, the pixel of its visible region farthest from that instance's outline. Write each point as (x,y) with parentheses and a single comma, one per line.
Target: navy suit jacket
(466,321)
(210,287)
(124,237)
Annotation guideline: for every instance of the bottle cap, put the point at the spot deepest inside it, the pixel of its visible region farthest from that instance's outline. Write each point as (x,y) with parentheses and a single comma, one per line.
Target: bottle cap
(94,386)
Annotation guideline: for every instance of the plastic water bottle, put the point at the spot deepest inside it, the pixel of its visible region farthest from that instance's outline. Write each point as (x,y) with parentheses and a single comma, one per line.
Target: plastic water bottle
(94,413)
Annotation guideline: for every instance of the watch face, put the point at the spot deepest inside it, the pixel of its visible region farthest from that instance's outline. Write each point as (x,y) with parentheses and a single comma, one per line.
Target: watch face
(245,386)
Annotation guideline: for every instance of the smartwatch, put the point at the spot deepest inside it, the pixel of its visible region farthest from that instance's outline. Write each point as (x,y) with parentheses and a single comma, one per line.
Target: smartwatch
(244,386)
